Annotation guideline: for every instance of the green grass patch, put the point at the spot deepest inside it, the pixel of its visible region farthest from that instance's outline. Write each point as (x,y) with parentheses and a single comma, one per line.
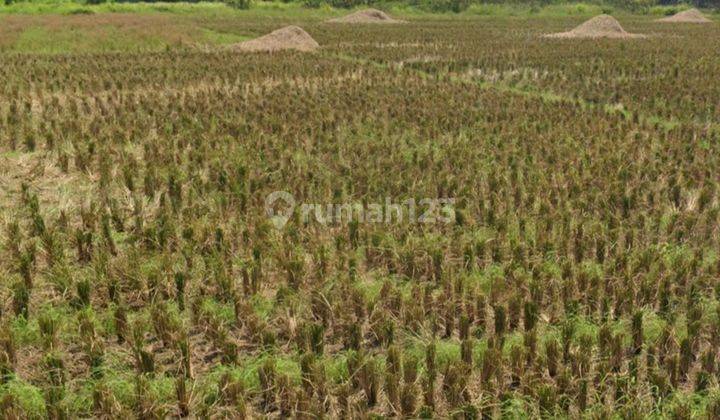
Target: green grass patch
(446,351)
(38,39)
(372,285)
(25,332)
(246,371)
(653,326)
(195,10)
(492,276)
(222,38)
(223,311)
(336,368)
(263,306)
(63,37)
(553,10)
(28,398)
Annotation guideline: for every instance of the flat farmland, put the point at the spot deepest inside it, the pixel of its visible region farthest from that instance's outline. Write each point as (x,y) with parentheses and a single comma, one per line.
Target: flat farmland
(562,260)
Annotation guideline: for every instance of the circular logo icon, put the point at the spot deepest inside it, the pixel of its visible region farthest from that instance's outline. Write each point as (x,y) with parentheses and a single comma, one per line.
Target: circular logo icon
(279,207)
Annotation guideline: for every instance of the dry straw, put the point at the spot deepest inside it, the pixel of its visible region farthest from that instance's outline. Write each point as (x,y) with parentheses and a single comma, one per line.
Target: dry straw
(687,16)
(602,26)
(366,16)
(287,38)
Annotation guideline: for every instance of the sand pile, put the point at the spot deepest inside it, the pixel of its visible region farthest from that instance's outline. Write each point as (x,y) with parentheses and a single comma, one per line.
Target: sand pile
(287,38)
(603,26)
(688,16)
(366,16)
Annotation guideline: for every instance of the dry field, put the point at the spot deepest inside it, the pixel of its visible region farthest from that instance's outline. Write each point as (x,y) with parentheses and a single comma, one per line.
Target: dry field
(141,277)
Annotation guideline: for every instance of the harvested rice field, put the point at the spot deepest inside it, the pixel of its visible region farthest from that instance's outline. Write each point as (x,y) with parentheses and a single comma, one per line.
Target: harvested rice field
(313,215)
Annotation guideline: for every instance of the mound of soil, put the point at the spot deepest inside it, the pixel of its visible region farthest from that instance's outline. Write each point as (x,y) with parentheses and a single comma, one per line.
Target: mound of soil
(287,38)
(366,16)
(688,16)
(602,26)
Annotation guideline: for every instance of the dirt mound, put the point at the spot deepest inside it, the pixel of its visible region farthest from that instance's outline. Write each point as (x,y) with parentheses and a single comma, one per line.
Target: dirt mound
(688,16)
(602,26)
(366,16)
(287,38)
